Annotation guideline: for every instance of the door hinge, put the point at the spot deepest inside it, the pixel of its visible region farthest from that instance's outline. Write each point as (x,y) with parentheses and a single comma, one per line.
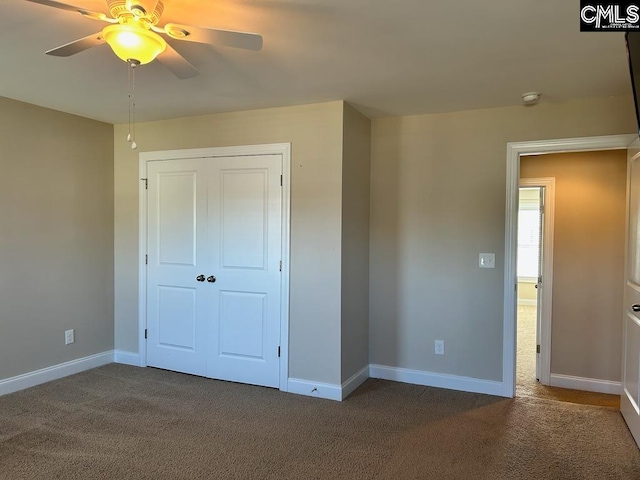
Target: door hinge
(537,348)
(146,259)
(280,265)
(541,208)
(145,333)
(280,180)
(146,183)
(278,352)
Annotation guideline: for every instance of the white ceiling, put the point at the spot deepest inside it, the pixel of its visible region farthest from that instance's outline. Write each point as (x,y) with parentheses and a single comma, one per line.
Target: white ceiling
(387,57)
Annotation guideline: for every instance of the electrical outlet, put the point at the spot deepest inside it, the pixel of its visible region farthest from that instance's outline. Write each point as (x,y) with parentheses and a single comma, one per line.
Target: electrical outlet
(439,347)
(69,337)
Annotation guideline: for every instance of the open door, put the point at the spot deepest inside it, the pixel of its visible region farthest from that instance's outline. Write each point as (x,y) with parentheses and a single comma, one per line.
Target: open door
(541,253)
(630,396)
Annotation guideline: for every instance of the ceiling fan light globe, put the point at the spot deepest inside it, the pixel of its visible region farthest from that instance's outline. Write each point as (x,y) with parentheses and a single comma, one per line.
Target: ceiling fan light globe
(130,42)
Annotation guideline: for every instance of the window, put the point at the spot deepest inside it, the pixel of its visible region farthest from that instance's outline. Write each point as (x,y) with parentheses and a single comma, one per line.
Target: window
(529,219)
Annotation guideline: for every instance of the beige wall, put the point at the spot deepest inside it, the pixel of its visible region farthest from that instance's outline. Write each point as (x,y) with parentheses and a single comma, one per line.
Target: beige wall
(356,169)
(316,133)
(588,260)
(437,201)
(56,239)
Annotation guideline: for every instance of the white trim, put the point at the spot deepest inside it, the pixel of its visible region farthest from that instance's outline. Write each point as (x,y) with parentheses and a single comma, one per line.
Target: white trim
(126,358)
(44,375)
(514,150)
(357,379)
(527,280)
(585,384)
(283,149)
(309,388)
(439,380)
(545,291)
(142,251)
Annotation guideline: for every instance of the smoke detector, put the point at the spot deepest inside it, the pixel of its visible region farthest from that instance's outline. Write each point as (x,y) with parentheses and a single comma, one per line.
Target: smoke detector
(530,98)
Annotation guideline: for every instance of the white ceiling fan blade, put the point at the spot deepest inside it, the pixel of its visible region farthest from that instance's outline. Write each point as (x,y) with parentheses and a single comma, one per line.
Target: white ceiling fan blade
(77,46)
(175,62)
(214,36)
(71,8)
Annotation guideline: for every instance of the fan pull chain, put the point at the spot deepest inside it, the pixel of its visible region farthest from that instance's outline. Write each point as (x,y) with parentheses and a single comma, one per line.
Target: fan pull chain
(131,138)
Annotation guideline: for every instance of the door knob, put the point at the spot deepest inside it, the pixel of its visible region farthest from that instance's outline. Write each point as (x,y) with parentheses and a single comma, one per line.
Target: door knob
(635,307)
(200,278)
(211,279)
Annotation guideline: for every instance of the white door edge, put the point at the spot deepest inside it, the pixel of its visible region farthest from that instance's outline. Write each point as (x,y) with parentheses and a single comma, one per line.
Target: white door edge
(546,293)
(283,149)
(514,150)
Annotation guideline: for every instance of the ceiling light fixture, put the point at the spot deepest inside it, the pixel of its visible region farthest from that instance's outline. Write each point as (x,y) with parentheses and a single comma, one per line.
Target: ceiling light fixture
(132,40)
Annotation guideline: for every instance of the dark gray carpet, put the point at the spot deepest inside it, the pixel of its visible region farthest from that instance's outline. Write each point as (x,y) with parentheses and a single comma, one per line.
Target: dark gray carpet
(119,422)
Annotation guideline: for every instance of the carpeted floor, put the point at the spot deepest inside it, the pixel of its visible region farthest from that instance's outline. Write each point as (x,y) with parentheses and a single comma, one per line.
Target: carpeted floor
(526,383)
(120,422)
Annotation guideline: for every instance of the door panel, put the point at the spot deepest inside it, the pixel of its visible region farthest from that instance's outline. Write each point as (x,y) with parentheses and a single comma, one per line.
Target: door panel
(244,219)
(177,304)
(246,215)
(177,218)
(243,325)
(177,317)
(632,370)
(630,398)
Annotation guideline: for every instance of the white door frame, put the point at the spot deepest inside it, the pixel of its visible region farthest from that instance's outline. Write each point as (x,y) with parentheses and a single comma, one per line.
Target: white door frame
(546,292)
(514,150)
(283,149)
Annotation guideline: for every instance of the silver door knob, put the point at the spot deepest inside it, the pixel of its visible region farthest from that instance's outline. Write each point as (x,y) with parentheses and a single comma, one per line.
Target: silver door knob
(211,279)
(200,278)
(635,307)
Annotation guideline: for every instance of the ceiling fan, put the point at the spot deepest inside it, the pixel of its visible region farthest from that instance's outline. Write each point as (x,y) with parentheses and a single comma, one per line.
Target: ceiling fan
(134,34)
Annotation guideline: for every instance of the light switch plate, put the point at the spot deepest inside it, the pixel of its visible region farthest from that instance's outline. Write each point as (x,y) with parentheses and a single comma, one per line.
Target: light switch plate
(487,260)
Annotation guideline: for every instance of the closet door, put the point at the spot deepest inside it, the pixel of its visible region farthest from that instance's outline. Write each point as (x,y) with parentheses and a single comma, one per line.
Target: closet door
(630,399)
(214,279)
(178,297)
(245,227)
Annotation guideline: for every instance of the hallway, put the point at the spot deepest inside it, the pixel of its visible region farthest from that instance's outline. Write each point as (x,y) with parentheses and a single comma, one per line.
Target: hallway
(526,383)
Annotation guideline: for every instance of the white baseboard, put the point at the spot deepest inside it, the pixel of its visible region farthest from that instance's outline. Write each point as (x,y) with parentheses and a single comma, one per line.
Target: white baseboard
(55,372)
(527,302)
(439,380)
(126,358)
(586,384)
(355,381)
(314,389)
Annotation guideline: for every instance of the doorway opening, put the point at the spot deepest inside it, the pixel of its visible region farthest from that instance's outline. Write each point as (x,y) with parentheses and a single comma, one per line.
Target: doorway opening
(534,269)
(593,381)
(529,271)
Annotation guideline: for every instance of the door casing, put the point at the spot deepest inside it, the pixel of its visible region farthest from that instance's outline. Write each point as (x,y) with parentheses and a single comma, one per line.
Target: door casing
(283,149)
(514,150)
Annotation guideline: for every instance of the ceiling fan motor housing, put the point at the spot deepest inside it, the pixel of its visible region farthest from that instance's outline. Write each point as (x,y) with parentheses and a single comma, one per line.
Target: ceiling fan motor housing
(151,10)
